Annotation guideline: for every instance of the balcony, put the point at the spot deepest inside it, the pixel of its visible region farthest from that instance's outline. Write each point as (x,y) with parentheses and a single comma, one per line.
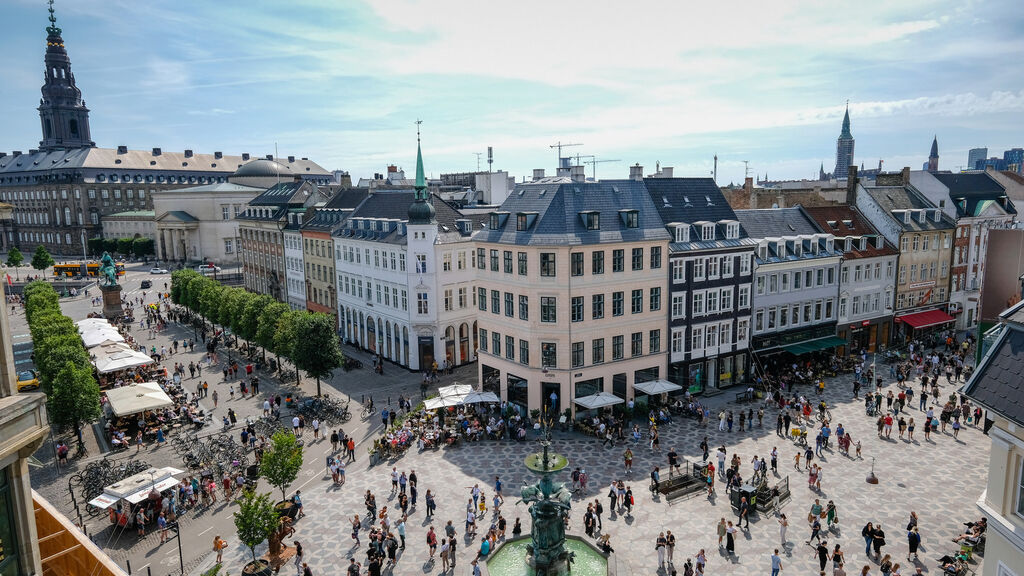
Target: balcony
(64,548)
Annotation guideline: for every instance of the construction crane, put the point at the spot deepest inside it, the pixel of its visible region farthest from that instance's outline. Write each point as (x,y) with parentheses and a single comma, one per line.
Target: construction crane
(595,162)
(559,146)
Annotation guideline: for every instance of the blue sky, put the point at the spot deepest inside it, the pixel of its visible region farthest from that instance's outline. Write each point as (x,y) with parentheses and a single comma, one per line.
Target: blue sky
(342,82)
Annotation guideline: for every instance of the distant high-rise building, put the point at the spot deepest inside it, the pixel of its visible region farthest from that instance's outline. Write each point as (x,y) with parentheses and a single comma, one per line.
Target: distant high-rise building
(933,156)
(1014,159)
(974,155)
(844,148)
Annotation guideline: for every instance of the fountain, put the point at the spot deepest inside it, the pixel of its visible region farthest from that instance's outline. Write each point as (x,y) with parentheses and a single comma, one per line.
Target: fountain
(547,551)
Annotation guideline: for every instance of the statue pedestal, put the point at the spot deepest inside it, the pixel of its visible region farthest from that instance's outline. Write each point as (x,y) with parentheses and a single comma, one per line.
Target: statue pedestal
(112,302)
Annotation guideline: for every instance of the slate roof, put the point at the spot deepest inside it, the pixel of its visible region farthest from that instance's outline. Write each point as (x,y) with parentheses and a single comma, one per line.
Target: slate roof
(348,198)
(326,219)
(842,221)
(776,222)
(890,198)
(558,206)
(279,194)
(689,200)
(970,191)
(394,205)
(996,383)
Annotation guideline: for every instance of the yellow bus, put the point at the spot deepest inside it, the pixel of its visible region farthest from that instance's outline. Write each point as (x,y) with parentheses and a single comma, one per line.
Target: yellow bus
(70,270)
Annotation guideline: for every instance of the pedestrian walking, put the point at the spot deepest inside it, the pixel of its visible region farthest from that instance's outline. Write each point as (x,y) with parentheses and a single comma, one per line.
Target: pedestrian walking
(776,561)
(730,539)
(783,526)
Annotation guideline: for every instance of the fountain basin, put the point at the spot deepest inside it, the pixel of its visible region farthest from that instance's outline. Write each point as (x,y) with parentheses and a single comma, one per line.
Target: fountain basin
(511,559)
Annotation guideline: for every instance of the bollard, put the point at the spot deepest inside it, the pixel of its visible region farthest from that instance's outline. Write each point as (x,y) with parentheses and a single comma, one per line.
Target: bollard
(129,563)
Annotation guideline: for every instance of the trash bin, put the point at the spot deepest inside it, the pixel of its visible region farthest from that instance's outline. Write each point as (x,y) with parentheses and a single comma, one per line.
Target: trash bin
(744,490)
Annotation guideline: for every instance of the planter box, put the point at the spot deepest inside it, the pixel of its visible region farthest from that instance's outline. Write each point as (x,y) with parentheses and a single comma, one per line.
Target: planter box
(287,508)
(257,568)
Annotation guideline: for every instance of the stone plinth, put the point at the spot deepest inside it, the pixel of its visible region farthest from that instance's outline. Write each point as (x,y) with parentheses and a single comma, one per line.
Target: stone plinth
(112,302)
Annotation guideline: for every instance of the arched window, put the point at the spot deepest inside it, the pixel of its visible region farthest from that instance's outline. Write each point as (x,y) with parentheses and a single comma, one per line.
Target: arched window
(73,127)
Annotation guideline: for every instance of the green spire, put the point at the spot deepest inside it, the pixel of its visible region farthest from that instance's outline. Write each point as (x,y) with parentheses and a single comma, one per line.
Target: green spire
(846,123)
(421,182)
(52,28)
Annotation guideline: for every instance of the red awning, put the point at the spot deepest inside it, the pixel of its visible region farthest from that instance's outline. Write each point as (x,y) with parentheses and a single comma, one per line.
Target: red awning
(925,319)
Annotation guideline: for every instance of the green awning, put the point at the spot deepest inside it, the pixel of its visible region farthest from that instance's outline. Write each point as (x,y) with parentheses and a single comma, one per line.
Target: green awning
(815,345)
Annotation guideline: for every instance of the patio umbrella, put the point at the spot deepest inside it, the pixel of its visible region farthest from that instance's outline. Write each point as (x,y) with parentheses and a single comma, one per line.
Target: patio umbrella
(654,387)
(479,397)
(599,400)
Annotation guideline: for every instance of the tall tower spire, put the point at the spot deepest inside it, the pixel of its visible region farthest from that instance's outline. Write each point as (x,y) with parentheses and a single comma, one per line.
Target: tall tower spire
(421,211)
(62,112)
(844,148)
(933,156)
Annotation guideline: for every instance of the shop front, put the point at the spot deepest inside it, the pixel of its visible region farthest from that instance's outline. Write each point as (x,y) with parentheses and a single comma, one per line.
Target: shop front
(867,335)
(916,325)
(708,374)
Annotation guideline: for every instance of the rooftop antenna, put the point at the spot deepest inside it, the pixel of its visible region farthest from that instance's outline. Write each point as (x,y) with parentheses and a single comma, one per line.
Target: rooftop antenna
(490,159)
(746,168)
(559,146)
(715,173)
(275,160)
(478,155)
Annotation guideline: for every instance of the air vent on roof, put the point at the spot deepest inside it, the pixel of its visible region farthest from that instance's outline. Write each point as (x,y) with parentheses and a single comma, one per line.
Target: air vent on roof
(848,224)
(708,200)
(218,155)
(32,151)
(291,158)
(188,153)
(270,156)
(833,224)
(152,162)
(665,201)
(542,191)
(116,161)
(245,155)
(791,227)
(184,163)
(156,152)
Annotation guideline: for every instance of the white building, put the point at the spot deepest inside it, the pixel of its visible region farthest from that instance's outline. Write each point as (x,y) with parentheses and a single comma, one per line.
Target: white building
(132,224)
(295,275)
(405,280)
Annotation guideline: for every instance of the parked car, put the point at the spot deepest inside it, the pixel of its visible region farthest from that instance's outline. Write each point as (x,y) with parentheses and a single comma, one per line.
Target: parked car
(146,284)
(28,380)
(207,269)
(158,270)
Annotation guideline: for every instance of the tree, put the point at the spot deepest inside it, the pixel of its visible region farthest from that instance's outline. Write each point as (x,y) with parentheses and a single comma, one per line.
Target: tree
(229,305)
(109,245)
(143,247)
(250,321)
(42,260)
(255,520)
(316,349)
(95,246)
(267,323)
(209,298)
(124,246)
(282,461)
(73,398)
(14,260)
(284,337)
(56,358)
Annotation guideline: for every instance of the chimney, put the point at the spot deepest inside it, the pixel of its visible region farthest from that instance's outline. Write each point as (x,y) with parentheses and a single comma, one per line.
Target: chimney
(156,152)
(188,153)
(269,156)
(122,149)
(905,175)
(851,186)
(245,155)
(218,155)
(16,153)
(291,159)
(636,172)
(560,171)
(578,174)
(538,173)
(666,172)
(748,184)
(3,154)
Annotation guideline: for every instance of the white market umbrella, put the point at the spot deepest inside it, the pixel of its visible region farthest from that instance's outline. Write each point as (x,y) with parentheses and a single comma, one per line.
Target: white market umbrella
(654,387)
(599,400)
(114,356)
(137,398)
(480,397)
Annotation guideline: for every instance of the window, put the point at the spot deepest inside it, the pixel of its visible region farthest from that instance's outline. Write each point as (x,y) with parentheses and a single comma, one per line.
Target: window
(916,241)
(508,261)
(744,265)
(597,306)
(654,341)
(495,302)
(577,354)
(924,242)
(462,298)
(773,283)
(576,311)
(481,258)
(521,222)
(618,260)
(727,266)
(638,258)
(576,264)
(637,301)
(655,300)
(725,333)
(522,263)
(820,276)
(913,272)
(597,262)
(857,273)
(225,212)
(807,312)
(678,305)
(742,328)
(712,268)
(698,303)
(682,233)
(617,347)
(422,303)
(496,343)
(773,315)
(785,281)
(711,301)
(655,257)
(698,269)
(510,309)
(711,336)
(547,309)
(696,338)
(617,302)
(831,276)
(636,344)
(592,220)
(631,218)
(597,351)
(844,275)
(461,261)
(677,341)
(817,310)
(229,246)
(421,263)
(524,352)
(548,355)
(483,340)
(725,304)
(494,260)
(678,271)
(707,232)
(482,299)
(903,275)
(524,307)
(510,347)
(547,264)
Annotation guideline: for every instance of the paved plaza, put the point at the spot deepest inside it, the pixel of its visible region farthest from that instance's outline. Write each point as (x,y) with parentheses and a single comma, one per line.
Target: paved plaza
(940,480)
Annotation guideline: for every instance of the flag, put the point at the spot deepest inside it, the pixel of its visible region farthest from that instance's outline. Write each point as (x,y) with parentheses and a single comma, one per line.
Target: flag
(927,295)
(9,281)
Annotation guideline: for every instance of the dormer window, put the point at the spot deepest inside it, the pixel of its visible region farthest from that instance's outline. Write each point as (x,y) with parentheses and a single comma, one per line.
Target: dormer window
(732,230)
(524,220)
(863,243)
(828,244)
(848,224)
(591,219)
(848,244)
(780,249)
(798,248)
(762,251)
(683,233)
(520,221)
(833,224)
(906,216)
(879,242)
(707,232)
(630,218)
